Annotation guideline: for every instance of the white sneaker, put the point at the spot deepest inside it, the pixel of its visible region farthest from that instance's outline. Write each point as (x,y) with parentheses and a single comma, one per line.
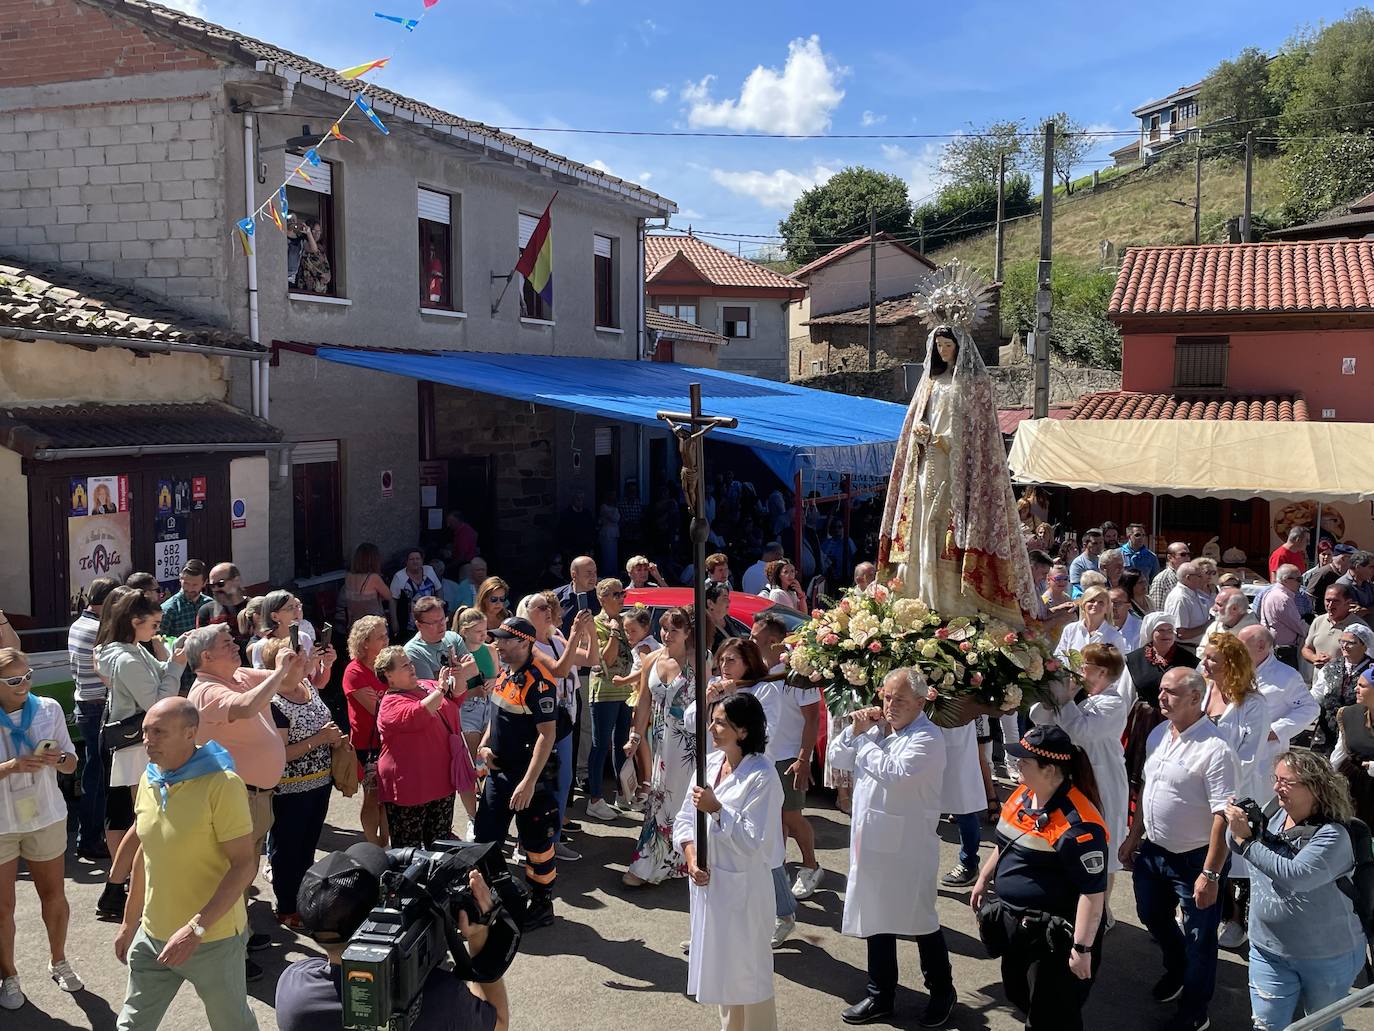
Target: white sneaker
(1232,935)
(65,977)
(601,810)
(808,880)
(782,929)
(11,998)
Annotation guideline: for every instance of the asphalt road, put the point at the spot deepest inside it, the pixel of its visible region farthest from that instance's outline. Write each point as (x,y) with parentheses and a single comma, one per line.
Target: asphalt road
(613,958)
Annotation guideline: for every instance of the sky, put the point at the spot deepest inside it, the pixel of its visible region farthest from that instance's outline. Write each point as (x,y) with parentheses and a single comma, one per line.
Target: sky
(803,67)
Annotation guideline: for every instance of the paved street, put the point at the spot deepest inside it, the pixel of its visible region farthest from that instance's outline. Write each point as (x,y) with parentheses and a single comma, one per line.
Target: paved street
(613,959)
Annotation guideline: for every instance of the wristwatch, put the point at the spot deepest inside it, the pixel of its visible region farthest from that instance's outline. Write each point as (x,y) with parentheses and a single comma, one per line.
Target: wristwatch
(1211,876)
(1082,949)
(196,927)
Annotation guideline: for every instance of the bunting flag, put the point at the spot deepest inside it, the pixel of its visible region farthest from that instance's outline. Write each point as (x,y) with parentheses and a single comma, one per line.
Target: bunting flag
(275,215)
(245,231)
(281,202)
(357,71)
(536,260)
(313,156)
(406,23)
(337,133)
(430,3)
(300,171)
(366,109)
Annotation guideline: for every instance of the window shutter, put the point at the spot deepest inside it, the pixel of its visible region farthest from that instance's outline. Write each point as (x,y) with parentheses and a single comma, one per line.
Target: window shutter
(527,227)
(604,440)
(434,207)
(308,452)
(321,178)
(601,246)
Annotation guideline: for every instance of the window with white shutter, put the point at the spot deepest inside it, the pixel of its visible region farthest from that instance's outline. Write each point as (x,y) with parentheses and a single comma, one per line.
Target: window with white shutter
(533,306)
(312,228)
(440,286)
(604,279)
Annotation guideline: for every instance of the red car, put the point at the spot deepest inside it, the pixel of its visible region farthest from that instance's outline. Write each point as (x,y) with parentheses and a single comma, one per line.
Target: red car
(743,609)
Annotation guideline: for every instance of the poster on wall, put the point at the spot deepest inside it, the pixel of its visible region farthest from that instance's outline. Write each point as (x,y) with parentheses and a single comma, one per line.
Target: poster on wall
(199,492)
(172,547)
(164,498)
(181,497)
(81,504)
(99,545)
(1341,523)
(107,494)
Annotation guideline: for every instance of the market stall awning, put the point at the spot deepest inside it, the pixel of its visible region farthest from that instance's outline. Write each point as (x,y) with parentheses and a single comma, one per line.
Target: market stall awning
(792,429)
(1276,461)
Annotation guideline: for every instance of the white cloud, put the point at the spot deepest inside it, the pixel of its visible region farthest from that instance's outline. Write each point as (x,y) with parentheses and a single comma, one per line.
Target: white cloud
(775,189)
(659,95)
(797,100)
(869,118)
(919,169)
(644,177)
(600,166)
(195,8)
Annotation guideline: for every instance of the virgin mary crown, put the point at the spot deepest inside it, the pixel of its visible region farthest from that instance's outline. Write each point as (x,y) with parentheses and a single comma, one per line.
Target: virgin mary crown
(955,296)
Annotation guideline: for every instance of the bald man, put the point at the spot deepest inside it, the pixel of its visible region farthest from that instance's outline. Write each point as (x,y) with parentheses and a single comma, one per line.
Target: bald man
(1292,709)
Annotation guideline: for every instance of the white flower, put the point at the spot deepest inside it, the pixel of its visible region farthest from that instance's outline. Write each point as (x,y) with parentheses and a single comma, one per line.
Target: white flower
(910,612)
(849,646)
(929,650)
(1012,699)
(800,662)
(854,673)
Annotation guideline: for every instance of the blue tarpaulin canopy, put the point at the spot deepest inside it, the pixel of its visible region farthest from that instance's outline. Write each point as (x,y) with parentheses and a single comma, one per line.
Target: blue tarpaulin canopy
(792,429)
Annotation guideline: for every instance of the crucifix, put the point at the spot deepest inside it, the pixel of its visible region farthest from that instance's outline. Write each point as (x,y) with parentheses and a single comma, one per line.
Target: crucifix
(691,428)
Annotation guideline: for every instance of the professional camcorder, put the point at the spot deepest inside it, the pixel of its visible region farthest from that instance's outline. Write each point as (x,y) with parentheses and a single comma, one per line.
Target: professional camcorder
(415,921)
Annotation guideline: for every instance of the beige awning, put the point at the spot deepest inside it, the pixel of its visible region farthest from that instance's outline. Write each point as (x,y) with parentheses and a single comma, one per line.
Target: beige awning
(1277,461)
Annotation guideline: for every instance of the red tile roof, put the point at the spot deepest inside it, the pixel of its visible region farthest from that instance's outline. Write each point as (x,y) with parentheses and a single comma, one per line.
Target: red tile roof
(716,266)
(1125,404)
(1010,418)
(1229,279)
(860,244)
(891,311)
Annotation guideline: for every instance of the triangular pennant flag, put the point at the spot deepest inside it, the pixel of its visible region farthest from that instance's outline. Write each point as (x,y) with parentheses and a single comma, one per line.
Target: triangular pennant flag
(276,217)
(313,156)
(430,3)
(366,109)
(281,203)
(362,69)
(337,133)
(244,227)
(300,171)
(406,23)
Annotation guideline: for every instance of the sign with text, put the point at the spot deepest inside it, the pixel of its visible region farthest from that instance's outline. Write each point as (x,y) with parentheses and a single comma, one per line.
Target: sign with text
(107,494)
(168,558)
(199,492)
(98,545)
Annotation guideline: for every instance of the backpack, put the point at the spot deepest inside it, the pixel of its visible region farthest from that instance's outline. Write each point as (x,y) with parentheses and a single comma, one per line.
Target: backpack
(1358,885)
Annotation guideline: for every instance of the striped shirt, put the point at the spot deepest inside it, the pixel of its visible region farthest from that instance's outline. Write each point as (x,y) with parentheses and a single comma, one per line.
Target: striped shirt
(80,645)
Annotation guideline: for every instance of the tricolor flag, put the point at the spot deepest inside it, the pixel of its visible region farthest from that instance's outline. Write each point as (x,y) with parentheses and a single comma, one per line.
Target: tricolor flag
(360,70)
(337,133)
(406,23)
(536,260)
(245,226)
(366,109)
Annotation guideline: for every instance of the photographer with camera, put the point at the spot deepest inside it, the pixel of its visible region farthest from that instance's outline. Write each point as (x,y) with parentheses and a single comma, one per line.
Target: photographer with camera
(1306,942)
(339,896)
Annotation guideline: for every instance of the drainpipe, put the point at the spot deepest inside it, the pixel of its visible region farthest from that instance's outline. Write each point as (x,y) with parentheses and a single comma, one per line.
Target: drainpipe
(640,341)
(259,374)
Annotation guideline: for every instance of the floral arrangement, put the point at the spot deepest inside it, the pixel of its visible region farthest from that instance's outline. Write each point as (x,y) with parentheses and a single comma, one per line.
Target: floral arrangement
(974,666)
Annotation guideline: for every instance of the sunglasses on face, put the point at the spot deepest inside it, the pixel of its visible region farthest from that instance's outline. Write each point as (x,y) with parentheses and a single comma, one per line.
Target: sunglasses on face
(497,599)
(23,678)
(218,583)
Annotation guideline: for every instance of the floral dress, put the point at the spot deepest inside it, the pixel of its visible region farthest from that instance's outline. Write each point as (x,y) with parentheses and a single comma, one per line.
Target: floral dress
(674,750)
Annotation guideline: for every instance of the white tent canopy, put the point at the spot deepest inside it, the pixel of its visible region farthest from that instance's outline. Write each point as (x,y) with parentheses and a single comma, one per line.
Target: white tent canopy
(1277,461)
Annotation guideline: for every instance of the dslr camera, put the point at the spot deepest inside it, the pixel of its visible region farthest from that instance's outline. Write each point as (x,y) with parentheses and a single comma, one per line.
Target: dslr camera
(1254,816)
(415,922)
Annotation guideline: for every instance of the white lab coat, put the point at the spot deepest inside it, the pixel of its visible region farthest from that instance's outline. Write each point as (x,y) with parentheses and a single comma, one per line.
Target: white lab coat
(731,958)
(961,789)
(1076,637)
(1246,729)
(1292,709)
(1096,725)
(894,843)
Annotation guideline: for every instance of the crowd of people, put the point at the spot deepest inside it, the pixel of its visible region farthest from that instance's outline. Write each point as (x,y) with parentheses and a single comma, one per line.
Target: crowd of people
(213,734)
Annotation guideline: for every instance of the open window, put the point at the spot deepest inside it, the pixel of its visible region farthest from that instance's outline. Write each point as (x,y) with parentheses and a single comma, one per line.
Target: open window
(311,230)
(532,305)
(736,322)
(604,262)
(440,286)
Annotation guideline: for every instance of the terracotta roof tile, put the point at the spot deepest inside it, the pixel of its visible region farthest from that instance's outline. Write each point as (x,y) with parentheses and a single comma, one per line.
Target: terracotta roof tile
(1126,404)
(890,312)
(1297,276)
(718,267)
(859,244)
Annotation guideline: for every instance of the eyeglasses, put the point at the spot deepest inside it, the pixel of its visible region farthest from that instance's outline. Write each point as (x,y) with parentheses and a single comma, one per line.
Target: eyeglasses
(23,678)
(1059,579)
(1284,782)
(219,583)
(538,606)
(497,599)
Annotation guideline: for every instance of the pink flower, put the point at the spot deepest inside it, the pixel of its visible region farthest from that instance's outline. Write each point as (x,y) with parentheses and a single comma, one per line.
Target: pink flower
(966,646)
(817,614)
(1010,639)
(844,605)
(895,583)
(1052,665)
(875,646)
(880,593)
(942,633)
(932,694)
(831,640)
(976,679)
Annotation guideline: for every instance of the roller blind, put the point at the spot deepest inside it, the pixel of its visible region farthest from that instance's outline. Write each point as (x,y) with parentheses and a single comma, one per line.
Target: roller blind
(605,440)
(308,452)
(434,207)
(321,176)
(601,245)
(527,226)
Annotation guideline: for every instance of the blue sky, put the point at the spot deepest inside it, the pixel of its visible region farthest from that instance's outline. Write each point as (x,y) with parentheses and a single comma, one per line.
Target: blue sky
(797,67)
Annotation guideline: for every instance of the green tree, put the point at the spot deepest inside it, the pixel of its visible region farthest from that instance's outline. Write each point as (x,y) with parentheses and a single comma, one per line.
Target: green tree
(1325,173)
(972,158)
(1070,148)
(960,211)
(1235,98)
(1327,84)
(1080,331)
(837,211)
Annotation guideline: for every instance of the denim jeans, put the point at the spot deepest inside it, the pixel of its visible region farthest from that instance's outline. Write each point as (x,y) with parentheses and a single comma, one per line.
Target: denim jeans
(90,829)
(215,970)
(297,822)
(783,899)
(970,837)
(564,750)
(1163,881)
(610,731)
(1281,986)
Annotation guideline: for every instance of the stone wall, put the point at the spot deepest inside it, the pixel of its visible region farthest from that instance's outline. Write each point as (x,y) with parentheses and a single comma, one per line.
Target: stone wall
(1013,383)
(844,348)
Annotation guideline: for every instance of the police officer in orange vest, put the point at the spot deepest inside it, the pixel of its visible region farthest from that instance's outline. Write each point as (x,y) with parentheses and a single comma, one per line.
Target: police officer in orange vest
(1050,878)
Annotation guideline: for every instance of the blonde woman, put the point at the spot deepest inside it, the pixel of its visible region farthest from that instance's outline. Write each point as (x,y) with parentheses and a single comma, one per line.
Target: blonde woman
(472,627)
(1092,626)
(363,690)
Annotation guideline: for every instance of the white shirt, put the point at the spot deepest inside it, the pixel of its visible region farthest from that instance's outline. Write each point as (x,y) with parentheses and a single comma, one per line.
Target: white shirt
(31,801)
(785,739)
(1189,777)
(1130,632)
(1292,709)
(1186,607)
(755,578)
(1218,627)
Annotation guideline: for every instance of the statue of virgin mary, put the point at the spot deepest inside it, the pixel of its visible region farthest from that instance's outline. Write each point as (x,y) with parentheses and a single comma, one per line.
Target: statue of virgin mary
(950,530)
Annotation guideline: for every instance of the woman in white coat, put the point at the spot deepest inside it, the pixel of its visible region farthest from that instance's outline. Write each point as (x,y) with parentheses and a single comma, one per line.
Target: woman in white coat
(1095,721)
(897,757)
(1092,627)
(730,963)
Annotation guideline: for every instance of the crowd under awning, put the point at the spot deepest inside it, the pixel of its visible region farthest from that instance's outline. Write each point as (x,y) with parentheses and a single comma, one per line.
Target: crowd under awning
(793,430)
(1276,461)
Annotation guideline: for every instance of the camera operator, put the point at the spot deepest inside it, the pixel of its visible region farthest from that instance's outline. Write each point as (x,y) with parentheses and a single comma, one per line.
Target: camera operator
(1306,943)
(336,897)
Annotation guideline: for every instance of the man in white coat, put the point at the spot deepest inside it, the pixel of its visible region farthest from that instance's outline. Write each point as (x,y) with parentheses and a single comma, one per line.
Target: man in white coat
(1292,709)
(898,757)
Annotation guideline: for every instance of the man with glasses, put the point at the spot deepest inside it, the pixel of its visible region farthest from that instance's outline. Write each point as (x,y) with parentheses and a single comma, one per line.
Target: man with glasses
(226,588)
(1279,614)
(1188,607)
(179,611)
(1137,554)
(1167,579)
(433,641)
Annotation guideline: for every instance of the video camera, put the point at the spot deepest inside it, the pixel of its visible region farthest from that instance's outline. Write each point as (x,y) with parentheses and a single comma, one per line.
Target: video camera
(415,922)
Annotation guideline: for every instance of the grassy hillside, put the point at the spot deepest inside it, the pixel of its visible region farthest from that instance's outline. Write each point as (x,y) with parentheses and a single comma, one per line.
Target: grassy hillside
(1133,210)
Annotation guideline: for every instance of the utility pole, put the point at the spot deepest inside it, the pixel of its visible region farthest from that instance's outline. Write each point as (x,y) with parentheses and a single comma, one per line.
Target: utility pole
(1197,198)
(872,290)
(1246,235)
(690,429)
(1043,296)
(1001,213)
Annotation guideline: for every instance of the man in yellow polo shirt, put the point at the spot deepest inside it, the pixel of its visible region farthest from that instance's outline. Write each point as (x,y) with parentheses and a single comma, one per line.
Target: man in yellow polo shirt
(195,858)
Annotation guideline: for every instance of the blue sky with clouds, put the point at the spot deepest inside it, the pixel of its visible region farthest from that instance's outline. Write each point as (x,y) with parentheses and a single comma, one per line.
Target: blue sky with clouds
(799,67)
